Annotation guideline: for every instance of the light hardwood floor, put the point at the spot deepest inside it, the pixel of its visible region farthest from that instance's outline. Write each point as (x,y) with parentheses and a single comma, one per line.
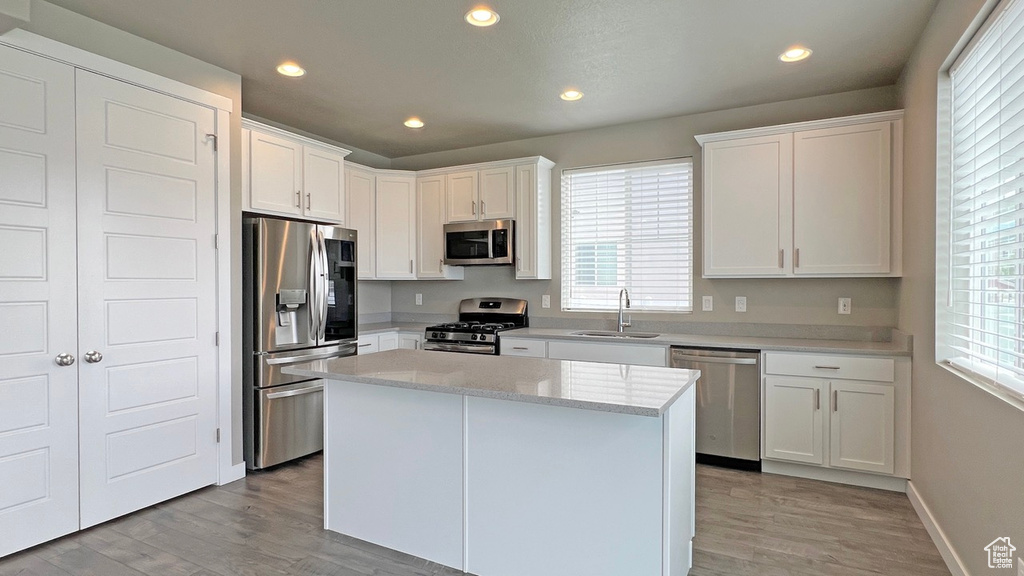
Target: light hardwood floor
(271,523)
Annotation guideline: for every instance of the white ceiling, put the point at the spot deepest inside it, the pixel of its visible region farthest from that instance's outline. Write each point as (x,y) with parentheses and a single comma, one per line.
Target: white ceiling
(373,63)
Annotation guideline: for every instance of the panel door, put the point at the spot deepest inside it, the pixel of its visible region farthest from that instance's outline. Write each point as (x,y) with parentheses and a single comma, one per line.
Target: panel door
(38,398)
(409,341)
(793,419)
(862,426)
(462,196)
(430,221)
(387,342)
(323,176)
(361,217)
(275,175)
(841,199)
(748,187)
(147,297)
(497,193)
(396,227)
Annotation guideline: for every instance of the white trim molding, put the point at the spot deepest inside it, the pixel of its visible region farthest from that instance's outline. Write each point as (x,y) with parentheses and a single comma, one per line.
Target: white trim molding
(889,116)
(953,562)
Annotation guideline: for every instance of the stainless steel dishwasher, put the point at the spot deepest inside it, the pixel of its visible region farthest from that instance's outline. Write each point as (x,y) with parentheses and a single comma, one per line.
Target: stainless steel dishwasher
(728,405)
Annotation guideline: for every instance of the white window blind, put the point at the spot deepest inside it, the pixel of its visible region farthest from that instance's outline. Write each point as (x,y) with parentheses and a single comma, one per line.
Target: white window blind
(628,226)
(982,324)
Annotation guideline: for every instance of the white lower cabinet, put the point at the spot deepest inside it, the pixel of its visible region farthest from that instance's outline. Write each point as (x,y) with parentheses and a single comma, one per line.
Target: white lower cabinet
(410,340)
(387,342)
(613,353)
(524,347)
(381,342)
(368,344)
(847,421)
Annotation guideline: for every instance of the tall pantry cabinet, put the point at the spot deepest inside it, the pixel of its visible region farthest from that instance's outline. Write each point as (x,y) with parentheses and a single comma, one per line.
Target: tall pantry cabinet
(108,297)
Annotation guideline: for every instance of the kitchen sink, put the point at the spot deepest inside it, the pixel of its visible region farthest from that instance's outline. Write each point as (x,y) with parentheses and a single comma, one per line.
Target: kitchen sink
(612,334)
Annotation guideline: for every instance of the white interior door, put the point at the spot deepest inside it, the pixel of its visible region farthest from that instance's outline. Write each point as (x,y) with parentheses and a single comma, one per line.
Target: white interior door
(147,296)
(38,398)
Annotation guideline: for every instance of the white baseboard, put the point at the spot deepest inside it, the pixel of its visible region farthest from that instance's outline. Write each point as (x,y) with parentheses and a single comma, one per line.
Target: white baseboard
(953,562)
(891,483)
(232,473)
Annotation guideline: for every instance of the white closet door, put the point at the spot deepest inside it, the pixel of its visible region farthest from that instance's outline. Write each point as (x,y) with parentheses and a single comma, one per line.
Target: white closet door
(147,296)
(38,398)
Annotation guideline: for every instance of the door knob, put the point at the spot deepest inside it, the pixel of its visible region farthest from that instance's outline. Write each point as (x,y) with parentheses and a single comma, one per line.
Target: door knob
(64,359)
(93,356)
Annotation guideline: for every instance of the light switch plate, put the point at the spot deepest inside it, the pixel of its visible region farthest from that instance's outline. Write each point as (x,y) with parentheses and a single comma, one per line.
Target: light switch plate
(545,301)
(845,304)
(741,303)
(707,303)
(419,299)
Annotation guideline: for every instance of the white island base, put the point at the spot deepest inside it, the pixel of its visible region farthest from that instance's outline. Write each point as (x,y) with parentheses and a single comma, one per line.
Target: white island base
(500,487)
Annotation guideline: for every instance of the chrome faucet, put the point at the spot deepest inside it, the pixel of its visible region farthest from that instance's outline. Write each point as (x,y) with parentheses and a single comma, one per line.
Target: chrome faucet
(622,323)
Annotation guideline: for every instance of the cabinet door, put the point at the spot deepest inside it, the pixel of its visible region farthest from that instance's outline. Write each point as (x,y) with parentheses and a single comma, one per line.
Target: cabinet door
(793,424)
(609,353)
(430,220)
(275,174)
(387,342)
(409,341)
(524,347)
(862,426)
(497,193)
(533,222)
(462,196)
(841,200)
(323,175)
(38,266)
(361,216)
(396,227)
(147,291)
(747,206)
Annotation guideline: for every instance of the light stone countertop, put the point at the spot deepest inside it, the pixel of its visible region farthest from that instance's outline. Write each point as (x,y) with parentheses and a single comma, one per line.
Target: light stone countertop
(637,390)
(900,346)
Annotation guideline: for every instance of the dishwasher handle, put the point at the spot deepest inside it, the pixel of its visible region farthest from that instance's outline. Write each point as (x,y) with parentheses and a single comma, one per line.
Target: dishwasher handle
(713,359)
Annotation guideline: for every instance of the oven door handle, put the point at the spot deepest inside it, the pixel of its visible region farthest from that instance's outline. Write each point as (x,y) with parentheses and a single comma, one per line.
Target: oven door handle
(459,347)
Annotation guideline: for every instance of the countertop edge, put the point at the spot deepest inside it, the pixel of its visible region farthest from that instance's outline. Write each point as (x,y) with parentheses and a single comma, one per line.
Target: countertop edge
(298,370)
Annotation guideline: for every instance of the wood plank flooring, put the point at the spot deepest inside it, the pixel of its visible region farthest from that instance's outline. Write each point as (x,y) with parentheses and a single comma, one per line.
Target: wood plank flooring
(270,523)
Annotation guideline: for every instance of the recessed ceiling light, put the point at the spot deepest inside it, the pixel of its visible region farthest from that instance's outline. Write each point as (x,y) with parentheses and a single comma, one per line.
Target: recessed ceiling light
(482,16)
(795,54)
(414,123)
(291,69)
(571,95)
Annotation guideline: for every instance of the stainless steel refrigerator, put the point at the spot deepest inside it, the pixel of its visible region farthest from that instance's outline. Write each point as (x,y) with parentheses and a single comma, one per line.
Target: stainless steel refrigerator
(299,304)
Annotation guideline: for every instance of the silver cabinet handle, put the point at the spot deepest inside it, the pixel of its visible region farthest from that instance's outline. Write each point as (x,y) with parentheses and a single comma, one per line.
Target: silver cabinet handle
(92,356)
(827,367)
(308,200)
(298,198)
(410,266)
(782,258)
(519,264)
(796,258)
(440,264)
(64,359)
(520,348)
(474,207)
(835,400)
(817,399)
(483,208)
(365,345)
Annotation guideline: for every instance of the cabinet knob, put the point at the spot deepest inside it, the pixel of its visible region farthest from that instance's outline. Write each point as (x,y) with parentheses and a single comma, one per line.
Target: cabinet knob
(64,359)
(92,356)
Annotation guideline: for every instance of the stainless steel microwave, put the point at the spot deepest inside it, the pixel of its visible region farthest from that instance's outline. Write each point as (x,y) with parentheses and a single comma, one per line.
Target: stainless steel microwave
(488,242)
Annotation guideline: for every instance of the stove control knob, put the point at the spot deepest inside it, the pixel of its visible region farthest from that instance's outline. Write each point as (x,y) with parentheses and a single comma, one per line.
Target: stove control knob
(433,334)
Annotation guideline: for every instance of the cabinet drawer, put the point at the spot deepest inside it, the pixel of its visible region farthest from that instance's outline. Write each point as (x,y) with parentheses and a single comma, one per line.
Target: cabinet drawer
(522,347)
(830,366)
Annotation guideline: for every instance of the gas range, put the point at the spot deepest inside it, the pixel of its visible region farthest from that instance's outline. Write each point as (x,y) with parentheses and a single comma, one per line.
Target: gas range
(480,321)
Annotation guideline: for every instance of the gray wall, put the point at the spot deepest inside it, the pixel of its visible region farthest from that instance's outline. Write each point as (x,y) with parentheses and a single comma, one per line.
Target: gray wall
(769,301)
(967,464)
(75,30)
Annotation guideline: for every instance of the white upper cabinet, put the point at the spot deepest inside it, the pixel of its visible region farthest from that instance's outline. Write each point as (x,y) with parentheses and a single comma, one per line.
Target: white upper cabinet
(430,197)
(396,227)
(533,220)
(816,199)
(360,215)
(288,175)
(486,194)
(841,200)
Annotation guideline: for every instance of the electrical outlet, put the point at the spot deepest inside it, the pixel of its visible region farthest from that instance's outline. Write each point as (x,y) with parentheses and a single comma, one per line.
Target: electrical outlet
(845,304)
(419,299)
(545,301)
(741,303)
(707,303)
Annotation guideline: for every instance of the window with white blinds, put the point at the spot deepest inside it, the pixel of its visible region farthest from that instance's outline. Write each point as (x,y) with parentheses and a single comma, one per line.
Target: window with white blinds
(980,327)
(628,226)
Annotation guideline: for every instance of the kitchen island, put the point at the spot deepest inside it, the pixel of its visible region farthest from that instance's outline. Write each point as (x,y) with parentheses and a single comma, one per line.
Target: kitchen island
(510,466)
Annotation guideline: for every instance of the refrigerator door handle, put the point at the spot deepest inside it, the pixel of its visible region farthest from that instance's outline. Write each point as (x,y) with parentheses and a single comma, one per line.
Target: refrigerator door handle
(325,286)
(313,303)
